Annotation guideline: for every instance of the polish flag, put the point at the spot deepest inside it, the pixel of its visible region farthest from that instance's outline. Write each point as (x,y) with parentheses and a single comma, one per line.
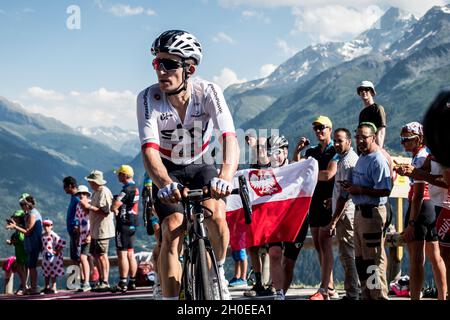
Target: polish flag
(280,200)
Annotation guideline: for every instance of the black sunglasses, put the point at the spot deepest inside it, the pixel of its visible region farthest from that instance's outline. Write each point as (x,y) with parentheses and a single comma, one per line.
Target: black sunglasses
(167,64)
(406,139)
(320,127)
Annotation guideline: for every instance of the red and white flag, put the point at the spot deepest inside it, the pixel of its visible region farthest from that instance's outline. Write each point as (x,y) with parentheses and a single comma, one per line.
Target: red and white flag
(280,200)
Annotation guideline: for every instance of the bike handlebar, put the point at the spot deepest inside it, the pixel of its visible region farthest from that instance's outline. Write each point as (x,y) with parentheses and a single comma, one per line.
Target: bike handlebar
(197,195)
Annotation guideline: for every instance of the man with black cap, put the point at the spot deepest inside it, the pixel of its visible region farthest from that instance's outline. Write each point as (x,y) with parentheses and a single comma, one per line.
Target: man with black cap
(372,112)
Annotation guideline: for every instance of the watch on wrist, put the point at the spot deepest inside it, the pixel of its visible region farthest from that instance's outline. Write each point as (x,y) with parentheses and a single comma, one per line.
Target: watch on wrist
(412,223)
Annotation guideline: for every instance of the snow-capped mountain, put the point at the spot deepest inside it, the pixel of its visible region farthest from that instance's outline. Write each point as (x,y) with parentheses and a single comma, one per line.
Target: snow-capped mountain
(124,141)
(313,60)
(431,30)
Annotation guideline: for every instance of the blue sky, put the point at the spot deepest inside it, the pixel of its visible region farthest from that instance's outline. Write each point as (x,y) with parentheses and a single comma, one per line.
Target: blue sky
(91,75)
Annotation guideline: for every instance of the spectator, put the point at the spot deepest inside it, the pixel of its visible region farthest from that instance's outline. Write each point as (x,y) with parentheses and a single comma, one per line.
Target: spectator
(240,268)
(320,216)
(17,240)
(101,222)
(70,187)
(343,208)
(369,190)
(259,159)
(83,225)
(32,241)
(372,112)
(437,138)
(420,233)
(52,257)
(153,227)
(125,207)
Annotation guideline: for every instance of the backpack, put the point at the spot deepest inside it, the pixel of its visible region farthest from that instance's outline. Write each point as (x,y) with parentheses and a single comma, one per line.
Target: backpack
(145,276)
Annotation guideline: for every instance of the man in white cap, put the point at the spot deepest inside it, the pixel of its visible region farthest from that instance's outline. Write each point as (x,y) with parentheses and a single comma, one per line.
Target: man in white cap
(102,225)
(372,112)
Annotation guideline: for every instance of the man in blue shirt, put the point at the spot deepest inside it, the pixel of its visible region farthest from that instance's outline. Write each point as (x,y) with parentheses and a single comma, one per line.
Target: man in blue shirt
(71,187)
(369,190)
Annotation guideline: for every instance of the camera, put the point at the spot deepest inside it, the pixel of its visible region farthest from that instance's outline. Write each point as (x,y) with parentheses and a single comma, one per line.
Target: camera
(10,221)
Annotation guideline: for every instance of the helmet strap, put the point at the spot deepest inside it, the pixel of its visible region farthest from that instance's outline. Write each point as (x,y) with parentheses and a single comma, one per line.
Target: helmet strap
(183,86)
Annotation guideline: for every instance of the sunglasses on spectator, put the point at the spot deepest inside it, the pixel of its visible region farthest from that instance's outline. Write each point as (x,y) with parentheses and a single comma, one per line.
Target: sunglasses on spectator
(406,139)
(275,153)
(320,127)
(361,137)
(167,64)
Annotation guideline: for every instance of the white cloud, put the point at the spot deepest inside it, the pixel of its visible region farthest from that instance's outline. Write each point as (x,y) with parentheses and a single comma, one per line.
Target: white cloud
(332,23)
(122,10)
(249,14)
(226,78)
(418,7)
(39,93)
(223,37)
(100,3)
(266,70)
(28,10)
(287,50)
(88,109)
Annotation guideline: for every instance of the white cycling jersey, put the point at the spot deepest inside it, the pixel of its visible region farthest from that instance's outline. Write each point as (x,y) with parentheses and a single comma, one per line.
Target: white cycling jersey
(160,126)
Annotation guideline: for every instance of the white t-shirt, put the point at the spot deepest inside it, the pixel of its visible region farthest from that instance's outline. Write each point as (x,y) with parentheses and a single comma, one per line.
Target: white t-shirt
(161,128)
(437,194)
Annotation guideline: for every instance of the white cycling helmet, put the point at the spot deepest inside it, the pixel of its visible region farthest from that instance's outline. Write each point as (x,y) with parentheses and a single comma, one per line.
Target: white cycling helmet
(180,43)
(277,142)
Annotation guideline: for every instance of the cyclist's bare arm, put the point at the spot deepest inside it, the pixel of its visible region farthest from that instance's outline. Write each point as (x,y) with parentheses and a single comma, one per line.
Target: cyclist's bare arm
(157,171)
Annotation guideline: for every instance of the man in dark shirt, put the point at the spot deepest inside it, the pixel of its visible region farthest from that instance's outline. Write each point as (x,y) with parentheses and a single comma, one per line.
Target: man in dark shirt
(319,215)
(372,112)
(71,187)
(125,206)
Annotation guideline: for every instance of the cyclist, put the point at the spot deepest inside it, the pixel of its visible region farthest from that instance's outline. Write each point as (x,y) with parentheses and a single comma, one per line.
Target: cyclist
(176,117)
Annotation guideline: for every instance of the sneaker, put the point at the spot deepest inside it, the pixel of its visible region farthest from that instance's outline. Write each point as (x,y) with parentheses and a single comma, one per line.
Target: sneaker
(20,292)
(237,282)
(321,294)
(33,291)
(103,287)
(269,291)
(120,287)
(157,292)
(131,285)
(48,291)
(233,282)
(84,287)
(332,293)
(280,295)
(256,290)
